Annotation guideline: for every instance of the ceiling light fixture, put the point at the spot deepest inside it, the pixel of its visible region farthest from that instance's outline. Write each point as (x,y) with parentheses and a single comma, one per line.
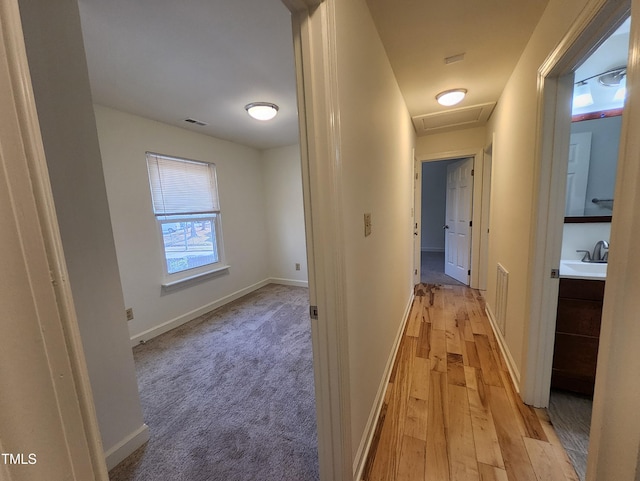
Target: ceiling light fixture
(451,97)
(262,110)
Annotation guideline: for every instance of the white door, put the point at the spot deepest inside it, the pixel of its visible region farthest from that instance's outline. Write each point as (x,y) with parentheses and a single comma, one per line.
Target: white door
(578,173)
(457,247)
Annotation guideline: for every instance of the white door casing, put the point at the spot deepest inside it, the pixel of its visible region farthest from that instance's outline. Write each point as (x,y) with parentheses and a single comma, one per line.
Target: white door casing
(45,380)
(458,220)
(417,220)
(578,173)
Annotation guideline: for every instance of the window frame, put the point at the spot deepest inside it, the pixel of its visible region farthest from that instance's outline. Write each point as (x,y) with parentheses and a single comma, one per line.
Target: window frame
(172,279)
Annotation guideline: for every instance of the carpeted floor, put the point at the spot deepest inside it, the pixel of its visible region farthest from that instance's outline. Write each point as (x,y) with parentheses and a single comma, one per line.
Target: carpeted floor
(432,270)
(570,415)
(230,396)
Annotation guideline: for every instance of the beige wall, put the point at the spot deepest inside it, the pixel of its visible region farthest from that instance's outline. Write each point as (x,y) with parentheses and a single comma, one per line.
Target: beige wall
(514,122)
(467,139)
(63,99)
(284,214)
(377,139)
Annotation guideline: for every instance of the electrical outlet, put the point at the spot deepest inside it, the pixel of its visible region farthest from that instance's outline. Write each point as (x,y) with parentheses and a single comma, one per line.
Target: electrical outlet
(297,266)
(129,314)
(367,225)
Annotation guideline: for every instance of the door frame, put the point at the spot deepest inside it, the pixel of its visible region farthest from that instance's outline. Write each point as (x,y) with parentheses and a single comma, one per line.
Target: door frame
(477,218)
(555,90)
(69,409)
(314,30)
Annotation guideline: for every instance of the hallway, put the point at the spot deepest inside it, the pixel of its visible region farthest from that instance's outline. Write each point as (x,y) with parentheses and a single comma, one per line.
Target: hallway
(450,410)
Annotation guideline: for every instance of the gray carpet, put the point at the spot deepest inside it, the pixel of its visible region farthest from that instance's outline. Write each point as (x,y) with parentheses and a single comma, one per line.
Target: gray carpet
(570,415)
(230,396)
(432,270)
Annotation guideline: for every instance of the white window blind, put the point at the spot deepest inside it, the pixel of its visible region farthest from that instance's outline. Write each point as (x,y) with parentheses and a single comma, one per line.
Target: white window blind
(180,186)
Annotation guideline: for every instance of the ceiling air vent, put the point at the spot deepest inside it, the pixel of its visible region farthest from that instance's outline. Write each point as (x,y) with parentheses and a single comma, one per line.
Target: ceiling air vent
(196,122)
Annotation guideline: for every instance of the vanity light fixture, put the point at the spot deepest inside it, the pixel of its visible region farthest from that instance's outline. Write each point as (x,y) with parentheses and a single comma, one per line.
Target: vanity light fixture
(615,77)
(582,95)
(451,97)
(621,93)
(262,110)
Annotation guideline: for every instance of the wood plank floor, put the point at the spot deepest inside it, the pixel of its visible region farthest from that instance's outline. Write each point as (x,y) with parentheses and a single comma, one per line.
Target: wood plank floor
(451,412)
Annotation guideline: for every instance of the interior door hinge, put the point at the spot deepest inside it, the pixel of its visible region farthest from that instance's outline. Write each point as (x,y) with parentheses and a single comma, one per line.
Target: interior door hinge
(470,223)
(313,312)
(416,176)
(469,272)
(472,172)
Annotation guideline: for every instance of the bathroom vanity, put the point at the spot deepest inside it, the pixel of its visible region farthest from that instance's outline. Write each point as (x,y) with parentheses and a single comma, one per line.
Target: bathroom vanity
(578,326)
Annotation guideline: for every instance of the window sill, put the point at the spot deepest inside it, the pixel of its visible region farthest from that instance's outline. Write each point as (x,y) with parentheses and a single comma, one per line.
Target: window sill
(193,279)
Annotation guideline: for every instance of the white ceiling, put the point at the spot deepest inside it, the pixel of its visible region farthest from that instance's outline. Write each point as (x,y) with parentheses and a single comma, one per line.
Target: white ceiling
(206,59)
(419,34)
(170,60)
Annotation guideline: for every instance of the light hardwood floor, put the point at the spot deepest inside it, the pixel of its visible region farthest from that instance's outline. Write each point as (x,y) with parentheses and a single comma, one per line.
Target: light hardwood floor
(450,411)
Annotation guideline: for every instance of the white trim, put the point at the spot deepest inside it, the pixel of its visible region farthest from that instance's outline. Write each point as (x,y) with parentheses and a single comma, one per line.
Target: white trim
(184,318)
(60,336)
(128,445)
(314,32)
(360,460)
(478,222)
(288,282)
(506,353)
(172,285)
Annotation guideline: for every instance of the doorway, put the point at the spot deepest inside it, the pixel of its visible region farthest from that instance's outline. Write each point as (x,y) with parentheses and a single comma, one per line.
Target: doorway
(430,190)
(442,259)
(561,77)
(598,102)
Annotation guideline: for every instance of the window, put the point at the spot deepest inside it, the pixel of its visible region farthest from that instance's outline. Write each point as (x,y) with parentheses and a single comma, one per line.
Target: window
(185,203)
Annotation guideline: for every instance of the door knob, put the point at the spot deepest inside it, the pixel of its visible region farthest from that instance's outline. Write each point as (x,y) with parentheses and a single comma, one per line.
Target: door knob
(445,227)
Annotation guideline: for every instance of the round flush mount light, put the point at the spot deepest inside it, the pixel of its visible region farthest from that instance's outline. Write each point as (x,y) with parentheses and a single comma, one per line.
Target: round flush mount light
(451,97)
(261,110)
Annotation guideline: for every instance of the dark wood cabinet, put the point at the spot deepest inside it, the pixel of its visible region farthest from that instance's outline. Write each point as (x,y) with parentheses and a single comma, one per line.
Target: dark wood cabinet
(577,335)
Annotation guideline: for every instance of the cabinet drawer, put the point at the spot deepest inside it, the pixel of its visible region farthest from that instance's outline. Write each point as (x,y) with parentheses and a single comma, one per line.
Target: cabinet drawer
(578,316)
(581,289)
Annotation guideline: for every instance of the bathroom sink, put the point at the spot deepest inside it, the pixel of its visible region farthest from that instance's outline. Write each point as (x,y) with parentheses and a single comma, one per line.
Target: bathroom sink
(583,270)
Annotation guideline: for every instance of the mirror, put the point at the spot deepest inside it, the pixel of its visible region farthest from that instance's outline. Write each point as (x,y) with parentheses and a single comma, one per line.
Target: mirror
(593,159)
(598,101)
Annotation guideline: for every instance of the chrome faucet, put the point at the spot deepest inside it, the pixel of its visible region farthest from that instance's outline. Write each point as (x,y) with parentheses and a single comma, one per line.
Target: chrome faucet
(598,256)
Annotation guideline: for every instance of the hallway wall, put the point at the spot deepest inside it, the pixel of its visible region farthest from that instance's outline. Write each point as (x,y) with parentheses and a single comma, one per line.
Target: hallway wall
(515,167)
(377,178)
(465,139)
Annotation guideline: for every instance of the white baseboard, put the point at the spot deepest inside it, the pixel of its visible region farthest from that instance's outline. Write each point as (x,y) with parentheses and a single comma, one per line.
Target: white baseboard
(370,428)
(184,318)
(511,365)
(128,445)
(288,282)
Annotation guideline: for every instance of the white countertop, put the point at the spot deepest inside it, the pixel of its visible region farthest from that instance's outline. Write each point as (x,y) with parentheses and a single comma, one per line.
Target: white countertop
(583,270)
